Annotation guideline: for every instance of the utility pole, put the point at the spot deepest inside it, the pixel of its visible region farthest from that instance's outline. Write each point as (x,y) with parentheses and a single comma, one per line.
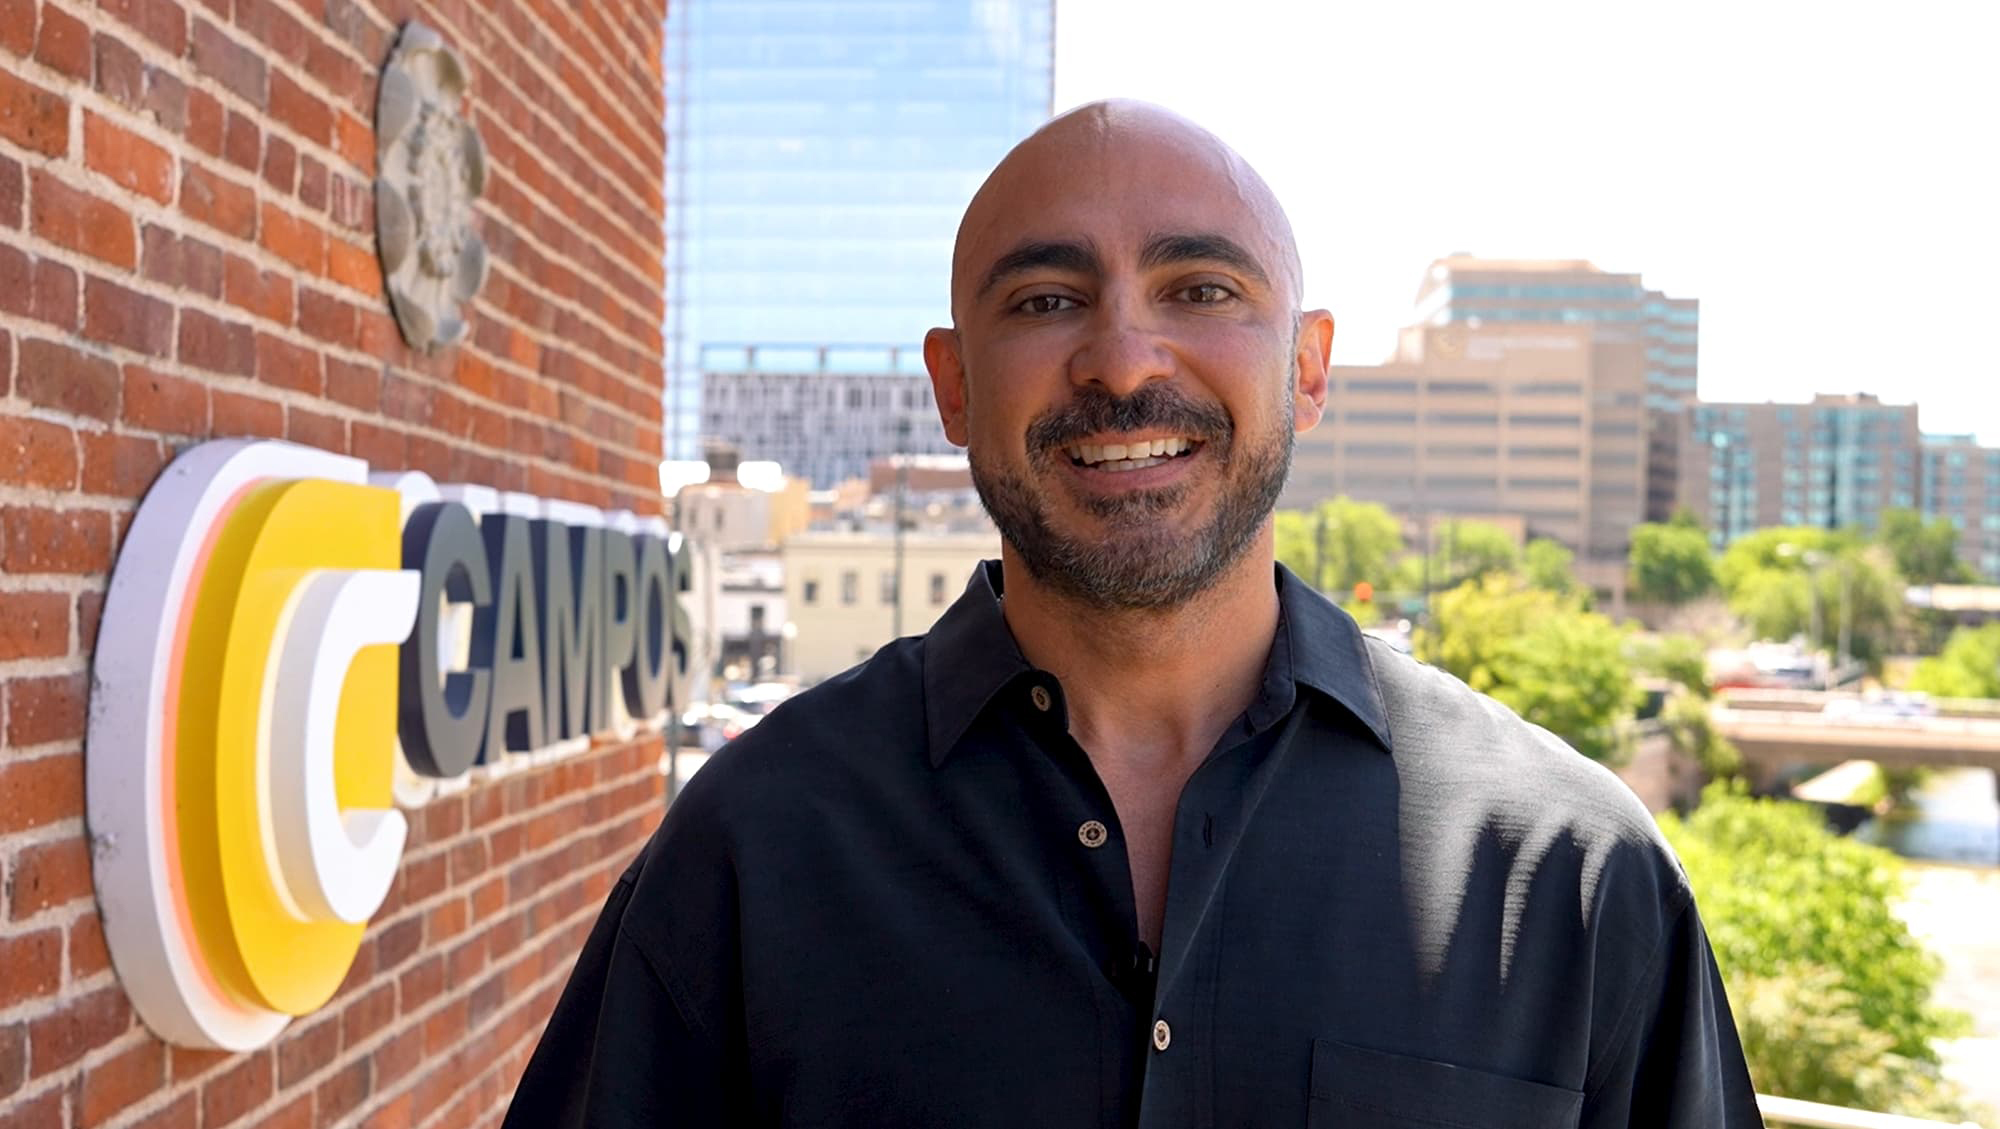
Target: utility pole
(902,488)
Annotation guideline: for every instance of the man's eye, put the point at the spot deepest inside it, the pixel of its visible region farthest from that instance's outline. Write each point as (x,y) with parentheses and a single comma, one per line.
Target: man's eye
(1047,304)
(1207,293)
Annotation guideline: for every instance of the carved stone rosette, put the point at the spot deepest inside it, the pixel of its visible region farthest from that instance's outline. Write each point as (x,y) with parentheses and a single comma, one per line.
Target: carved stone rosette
(431,166)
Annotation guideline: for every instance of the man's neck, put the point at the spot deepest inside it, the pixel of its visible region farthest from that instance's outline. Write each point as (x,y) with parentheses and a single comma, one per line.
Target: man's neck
(1151,691)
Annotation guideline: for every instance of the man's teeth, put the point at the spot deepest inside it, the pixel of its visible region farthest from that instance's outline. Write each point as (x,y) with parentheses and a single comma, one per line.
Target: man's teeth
(1129,456)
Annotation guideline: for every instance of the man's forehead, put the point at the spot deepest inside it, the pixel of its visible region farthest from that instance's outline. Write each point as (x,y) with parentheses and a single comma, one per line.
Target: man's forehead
(1116,176)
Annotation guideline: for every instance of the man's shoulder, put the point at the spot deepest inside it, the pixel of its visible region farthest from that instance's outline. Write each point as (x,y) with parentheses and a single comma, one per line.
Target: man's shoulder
(1462,751)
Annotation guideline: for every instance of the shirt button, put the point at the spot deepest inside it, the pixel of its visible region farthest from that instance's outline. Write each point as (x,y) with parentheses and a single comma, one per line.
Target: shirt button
(1092,834)
(1040,696)
(1162,1035)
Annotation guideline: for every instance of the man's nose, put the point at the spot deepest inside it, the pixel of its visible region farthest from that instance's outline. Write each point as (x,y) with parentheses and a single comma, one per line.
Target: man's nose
(1124,351)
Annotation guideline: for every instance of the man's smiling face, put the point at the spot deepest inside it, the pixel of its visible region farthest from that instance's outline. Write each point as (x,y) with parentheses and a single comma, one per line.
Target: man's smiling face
(1128,363)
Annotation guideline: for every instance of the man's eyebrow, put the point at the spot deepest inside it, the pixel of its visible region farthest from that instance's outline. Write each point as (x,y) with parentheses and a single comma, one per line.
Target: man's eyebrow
(1183,247)
(1063,255)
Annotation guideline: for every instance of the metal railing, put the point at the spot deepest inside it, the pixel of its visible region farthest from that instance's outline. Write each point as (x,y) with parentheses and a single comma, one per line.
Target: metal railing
(1791,1111)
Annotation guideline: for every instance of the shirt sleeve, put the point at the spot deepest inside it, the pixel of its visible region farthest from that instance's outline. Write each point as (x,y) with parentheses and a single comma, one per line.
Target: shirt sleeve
(620,1050)
(1677,1062)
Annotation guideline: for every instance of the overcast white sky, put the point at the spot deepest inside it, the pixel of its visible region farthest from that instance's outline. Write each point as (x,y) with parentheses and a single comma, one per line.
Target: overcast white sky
(1824,177)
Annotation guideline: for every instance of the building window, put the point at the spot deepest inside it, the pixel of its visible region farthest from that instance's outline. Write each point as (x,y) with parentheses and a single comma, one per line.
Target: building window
(1381,417)
(1519,420)
(1464,419)
(938,583)
(888,587)
(850,588)
(809,592)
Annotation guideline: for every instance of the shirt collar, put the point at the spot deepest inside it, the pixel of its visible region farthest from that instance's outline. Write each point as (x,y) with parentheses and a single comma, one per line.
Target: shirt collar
(970,656)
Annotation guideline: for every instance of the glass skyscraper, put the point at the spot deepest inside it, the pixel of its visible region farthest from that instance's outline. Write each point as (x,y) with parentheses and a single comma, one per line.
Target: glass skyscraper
(819,154)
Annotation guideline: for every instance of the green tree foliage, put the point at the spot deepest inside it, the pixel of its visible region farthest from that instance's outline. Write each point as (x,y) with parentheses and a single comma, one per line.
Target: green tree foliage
(1968,668)
(1469,550)
(1550,565)
(1558,666)
(1671,564)
(1772,577)
(1832,992)
(1340,543)
(1680,659)
(1926,552)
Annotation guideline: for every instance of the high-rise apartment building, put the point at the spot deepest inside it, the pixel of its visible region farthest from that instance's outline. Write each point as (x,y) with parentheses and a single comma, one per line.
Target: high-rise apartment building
(822,153)
(1835,463)
(1543,425)
(1961,482)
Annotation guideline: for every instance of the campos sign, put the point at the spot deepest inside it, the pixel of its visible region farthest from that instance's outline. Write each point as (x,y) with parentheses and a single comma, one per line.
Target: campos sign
(291,650)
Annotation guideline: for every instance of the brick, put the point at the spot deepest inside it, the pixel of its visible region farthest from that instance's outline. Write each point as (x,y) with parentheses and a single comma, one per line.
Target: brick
(230,1095)
(219,346)
(34,965)
(357,386)
(163,402)
(88,955)
(121,74)
(64,43)
(240,69)
(297,1114)
(34,793)
(89,614)
(326,318)
(39,1112)
(50,874)
(180,260)
(344,1091)
(36,453)
(117,316)
(33,625)
(309,117)
(234,414)
(220,203)
(242,142)
(52,295)
(187,1063)
(17,26)
(162,21)
(33,118)
(119,1082)
(315,429)
(167,102)
(266,294)
(44,710)
(13,193)
(312,183)
(355,142)
(82,222)
(354,267)
(205,121)
(122,466)
(394,1060)
(281,162)
(182,1113)
(351,204)
(282,364)
(380,446)
(365,1016)
(13,1058)
(299,242)
(82,1025)
(127,158)
(305,1049)
(68,380)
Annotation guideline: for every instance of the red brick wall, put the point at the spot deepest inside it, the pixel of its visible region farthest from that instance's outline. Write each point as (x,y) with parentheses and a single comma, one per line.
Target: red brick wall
(187,252)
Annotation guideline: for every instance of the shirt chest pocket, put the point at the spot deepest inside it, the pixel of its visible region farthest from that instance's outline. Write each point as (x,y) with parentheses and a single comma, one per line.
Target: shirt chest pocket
(1353,1088)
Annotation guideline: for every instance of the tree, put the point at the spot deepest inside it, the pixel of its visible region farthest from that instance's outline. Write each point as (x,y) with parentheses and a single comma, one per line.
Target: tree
(1558,666)
(1549,564)
(1340,543)
(1832,992)
(1782,581)
(1925,552)
(1671,564)
(1468,550)
(1968,668)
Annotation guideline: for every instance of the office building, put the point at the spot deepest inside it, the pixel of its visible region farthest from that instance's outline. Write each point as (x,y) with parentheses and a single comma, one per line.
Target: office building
(821,413)
(1544,425)
(1835,463)
(823,152)
(850,591)
(1961,482)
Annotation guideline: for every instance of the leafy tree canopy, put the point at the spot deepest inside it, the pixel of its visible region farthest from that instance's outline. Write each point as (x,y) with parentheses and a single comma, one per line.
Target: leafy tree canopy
(1550,565)
(1968,668)
(1340,543)
(1671,563)
(1926,552)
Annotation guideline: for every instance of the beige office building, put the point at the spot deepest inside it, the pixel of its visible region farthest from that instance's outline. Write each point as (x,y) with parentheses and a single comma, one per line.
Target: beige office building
(1542,424)
(1961,482)
(841,591)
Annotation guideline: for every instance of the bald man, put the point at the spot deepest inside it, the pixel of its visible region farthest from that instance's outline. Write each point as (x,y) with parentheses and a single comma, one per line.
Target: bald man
(1144,832)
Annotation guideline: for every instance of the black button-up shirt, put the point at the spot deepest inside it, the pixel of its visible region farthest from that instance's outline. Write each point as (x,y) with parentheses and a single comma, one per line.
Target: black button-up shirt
(903,899)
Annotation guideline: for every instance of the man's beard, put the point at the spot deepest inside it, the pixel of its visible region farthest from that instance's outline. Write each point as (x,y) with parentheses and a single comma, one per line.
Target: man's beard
(1138,563)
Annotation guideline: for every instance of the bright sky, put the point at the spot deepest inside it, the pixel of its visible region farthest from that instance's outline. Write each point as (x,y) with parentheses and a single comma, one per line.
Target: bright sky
(1825,177)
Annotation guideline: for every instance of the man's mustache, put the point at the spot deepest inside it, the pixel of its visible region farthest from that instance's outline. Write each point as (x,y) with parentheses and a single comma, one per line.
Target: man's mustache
(1093,411)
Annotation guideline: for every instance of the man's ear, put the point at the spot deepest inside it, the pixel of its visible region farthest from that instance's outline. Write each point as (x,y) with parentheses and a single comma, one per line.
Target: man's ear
(1312,351)
(947,368)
